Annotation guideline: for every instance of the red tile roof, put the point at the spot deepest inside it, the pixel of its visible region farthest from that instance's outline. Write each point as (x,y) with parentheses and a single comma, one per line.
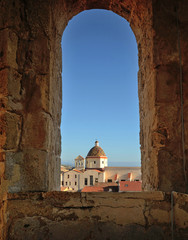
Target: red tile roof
(97,170)
(76,170)
(93,189)
(101,187)
(130,186)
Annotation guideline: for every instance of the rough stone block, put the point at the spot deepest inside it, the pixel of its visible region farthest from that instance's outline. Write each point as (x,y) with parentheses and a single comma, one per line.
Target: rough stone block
(36,131)
(3,104)
(2,168)
(159,216)
(33,169)
(167,83)
(54,172)
(13,130)
(8,48)
(4,82)
(2,130)
(12,159)
(14,84)
(2,156)
(43,84)
(180,210)
(167,181)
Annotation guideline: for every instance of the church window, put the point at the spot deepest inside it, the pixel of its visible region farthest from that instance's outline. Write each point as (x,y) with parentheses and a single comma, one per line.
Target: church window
(94,162)
(62,183)
(68,176)
(85,181)
(109,180)
(91,180)
(75,183)
(96,179)
(75,176)
(66,183)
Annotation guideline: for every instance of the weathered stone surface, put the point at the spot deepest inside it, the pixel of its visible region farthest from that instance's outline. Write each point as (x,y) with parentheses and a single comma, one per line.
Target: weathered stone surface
(13,131)
(8,48)
(35,131)
(51,215)
(41,228)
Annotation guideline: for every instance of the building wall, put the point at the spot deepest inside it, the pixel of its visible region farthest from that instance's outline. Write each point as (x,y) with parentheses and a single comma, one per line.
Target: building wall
(104,162)
(72,180)
(95,174)
(96,162)
(80,179)
(121,173)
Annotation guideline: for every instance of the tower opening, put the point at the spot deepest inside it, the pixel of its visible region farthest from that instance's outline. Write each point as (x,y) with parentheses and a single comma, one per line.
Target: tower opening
(100,92)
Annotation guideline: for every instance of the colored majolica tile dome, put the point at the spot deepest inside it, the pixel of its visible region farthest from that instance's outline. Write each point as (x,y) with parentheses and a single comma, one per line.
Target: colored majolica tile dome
(96,151)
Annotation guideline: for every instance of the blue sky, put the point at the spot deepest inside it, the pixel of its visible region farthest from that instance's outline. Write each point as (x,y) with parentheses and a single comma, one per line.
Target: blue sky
(100,92)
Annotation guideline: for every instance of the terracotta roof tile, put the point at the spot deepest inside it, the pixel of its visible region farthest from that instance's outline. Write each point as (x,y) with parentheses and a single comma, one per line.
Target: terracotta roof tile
(130,186)
(76,170)
(93,189)
(96,152)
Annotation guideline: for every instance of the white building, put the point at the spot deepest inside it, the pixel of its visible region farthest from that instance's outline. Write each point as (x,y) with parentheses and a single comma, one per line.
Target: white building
(72,179)
(94,169)
(75,179)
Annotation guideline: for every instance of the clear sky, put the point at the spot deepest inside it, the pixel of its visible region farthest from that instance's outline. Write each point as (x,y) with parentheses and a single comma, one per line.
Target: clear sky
(100,92)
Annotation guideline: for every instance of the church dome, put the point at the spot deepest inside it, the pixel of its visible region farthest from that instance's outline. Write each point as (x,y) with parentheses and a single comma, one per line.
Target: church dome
(96,151)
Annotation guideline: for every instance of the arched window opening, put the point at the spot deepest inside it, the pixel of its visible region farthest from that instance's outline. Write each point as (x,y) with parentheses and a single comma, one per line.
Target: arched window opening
(100,99)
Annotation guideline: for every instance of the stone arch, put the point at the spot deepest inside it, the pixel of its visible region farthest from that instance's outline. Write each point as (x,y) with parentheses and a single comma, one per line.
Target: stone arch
(141,25)
(30,70)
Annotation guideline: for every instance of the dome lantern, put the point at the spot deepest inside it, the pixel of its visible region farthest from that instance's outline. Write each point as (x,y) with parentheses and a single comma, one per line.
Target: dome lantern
(96,143)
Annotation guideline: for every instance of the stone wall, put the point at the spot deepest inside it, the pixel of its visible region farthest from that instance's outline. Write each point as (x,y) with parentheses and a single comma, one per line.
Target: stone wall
(169,137)
(58,215)
(30,136)
(31,89)
(30,68)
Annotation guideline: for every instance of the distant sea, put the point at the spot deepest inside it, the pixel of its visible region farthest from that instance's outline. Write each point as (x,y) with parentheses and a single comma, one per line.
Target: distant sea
(124,164)
(112,164)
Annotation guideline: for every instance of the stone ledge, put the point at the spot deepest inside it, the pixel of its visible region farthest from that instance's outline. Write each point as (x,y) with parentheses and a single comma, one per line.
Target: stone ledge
(158,195)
